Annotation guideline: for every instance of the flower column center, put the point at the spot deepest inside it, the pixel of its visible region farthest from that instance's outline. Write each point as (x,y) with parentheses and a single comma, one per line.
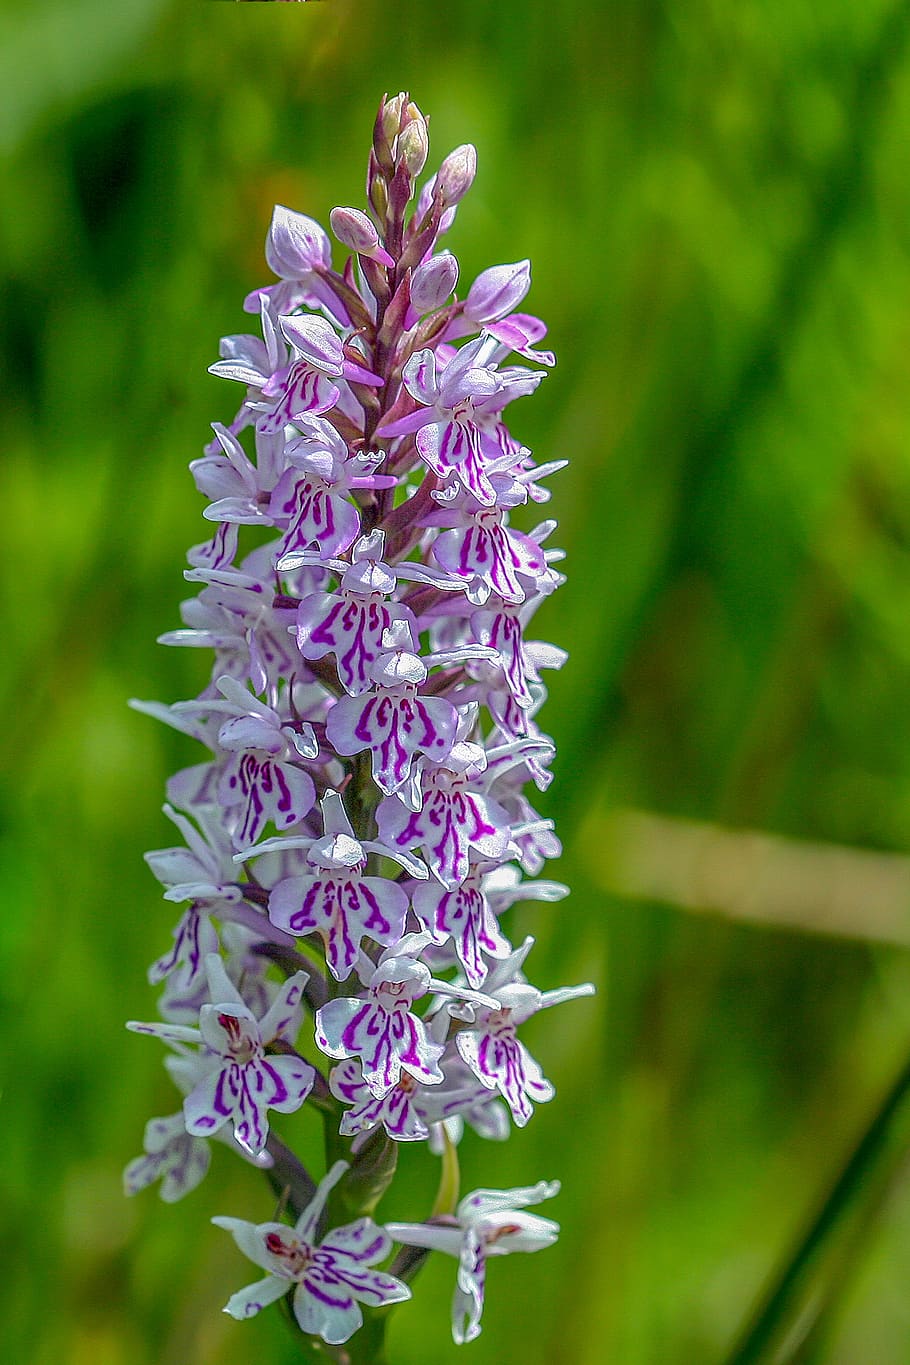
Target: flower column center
(242,1048)
(295,1256)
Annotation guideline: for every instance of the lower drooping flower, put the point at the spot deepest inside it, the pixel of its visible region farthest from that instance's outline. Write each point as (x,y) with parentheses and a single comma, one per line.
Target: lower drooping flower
(329,1279)
(487,1223)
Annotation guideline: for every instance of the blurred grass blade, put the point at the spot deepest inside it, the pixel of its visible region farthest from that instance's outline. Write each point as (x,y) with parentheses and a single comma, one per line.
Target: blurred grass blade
(816,1332)
(755,877)
(882,1145)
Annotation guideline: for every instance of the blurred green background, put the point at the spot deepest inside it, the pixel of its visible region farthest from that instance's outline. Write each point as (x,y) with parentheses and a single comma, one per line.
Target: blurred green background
(716,201)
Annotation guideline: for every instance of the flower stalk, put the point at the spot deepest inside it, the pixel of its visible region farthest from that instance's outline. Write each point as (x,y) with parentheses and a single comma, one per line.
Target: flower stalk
(359,826)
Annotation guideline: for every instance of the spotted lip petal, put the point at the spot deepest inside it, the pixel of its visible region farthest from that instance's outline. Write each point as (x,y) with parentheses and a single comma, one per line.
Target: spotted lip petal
(257,788)
(387,1041)
(295,393)
(398,1111)
(394,724)
(452,820)
(463,915)
(350,626)
(313,512)
(459,449)
(194,938)
(503,559)
(179,1161)
(501,1061)
(342,909)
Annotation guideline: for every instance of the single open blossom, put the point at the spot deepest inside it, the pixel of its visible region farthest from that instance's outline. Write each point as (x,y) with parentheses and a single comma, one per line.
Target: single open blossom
(262,778)
(336,900)
(311,498)
(381,1030)
(449,439)
(454,817)
(481,548)
(203,874)
(487,1223)
(490,1045)
(352,623)
(394,721)
(330,1279)
(358,828)
(235,615)
(463,914)
(242,1082)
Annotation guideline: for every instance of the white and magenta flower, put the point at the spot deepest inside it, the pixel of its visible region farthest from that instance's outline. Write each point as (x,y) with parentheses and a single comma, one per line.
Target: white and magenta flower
(381,1030)
(486,1223)
(242,1081)
(329,1279)
(335,899)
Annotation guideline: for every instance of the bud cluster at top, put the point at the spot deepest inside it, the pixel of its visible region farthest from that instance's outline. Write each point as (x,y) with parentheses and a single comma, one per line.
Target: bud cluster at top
(359,822)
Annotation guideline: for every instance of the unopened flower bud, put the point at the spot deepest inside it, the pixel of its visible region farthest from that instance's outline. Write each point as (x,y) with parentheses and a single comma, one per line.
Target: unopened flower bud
(353,229)
(497,291)
(391,115)
(296,245)
(456,174)
(433,282)
(414,143)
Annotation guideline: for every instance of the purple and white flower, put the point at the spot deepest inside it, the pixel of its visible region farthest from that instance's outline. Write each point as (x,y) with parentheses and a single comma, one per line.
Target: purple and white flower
(329,1278)
(242,1082)
(335,899)
(491,1048)
(172,1156)
(381,1030)
(486,1223)
(394,720)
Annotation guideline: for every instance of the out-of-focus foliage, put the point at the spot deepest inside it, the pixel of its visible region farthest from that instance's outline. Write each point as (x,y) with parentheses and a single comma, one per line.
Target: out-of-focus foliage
(717,205)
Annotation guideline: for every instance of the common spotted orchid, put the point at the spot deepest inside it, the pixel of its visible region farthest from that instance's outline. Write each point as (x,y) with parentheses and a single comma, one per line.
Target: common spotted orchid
(357,830)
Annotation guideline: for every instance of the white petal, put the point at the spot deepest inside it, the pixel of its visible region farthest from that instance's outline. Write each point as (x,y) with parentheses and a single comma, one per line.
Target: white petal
(480,1203)
(335,1321)
(247,1302)
(221,989)
(250,1238)
(306,1223)
(427,1235)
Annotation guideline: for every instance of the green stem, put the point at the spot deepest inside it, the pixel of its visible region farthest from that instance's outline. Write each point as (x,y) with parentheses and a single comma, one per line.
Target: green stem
(366,1347)
(780,1302)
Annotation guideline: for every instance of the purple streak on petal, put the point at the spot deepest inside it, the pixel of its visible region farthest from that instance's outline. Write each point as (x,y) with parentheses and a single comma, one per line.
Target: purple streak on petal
(502,631)
(362,1242)
(299,390)
(194,936)
(315,515)
(455,448)
(464,915)
(351,627)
